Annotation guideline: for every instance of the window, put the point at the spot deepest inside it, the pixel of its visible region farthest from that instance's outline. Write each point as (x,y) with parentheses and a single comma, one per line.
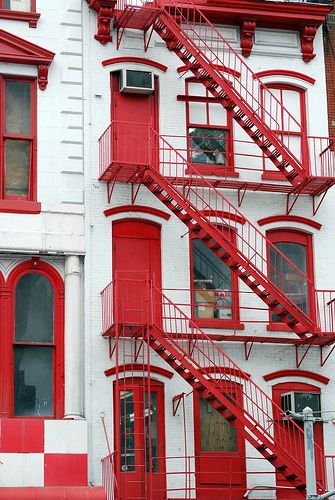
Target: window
(209,131)
(215,289)
(297,247)
(289,132)
(33,342)
(18,5)
(20,10)
(18,139)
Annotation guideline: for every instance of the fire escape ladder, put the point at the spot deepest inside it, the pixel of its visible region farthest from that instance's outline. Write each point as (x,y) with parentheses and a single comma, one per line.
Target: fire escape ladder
(191,197)
(214,62)
(207,368)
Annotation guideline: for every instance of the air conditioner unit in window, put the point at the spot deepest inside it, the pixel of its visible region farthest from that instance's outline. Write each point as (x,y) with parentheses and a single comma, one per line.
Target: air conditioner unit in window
(297,401)
(136,82)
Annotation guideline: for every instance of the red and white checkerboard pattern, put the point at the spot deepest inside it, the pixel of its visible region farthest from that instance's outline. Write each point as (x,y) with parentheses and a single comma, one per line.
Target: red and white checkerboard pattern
(43,452)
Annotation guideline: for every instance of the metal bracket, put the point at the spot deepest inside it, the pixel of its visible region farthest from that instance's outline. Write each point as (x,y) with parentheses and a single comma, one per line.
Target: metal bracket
(241,194)
(147,39)
(297,361)
(317,206)
(110,188)
(324,359)
(289,207)
(137,350)
(247,350)
(111,349)
(176,400)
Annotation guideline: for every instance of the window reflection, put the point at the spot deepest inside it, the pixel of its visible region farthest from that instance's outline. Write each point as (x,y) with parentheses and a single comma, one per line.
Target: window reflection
(127,424)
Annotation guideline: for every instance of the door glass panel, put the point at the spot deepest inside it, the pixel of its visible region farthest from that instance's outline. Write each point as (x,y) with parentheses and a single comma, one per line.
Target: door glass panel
(18,108)
(217,434)
(127,424)
(151,435)
(34,309)
(17,163)
(212,283)
(33,381)
(286,277)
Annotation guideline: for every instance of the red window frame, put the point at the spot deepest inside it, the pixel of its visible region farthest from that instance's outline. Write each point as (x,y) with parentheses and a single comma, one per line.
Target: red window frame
(14,203)
(210,169)
(30,16)
(7,340)
(234,322)
(306,240)
(270,174)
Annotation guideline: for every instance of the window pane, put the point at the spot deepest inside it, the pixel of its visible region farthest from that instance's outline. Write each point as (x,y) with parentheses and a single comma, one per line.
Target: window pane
(217,434)
(18,5)
(127,434)
(208,146)
(212,283)
(18,107)
(34,309)
(152,438)
(17,165)
(33,381)
(285,276)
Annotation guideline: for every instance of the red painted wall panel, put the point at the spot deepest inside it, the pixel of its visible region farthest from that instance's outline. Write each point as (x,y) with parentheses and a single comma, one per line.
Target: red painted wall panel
(21,435)
(65,470)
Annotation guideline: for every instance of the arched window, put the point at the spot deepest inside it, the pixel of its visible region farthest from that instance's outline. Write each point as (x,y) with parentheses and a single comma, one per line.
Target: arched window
(297,246)
(34,338)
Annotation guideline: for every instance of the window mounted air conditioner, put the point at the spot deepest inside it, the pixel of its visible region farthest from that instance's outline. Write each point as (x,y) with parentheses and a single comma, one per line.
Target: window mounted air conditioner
(136,82)
(297,401)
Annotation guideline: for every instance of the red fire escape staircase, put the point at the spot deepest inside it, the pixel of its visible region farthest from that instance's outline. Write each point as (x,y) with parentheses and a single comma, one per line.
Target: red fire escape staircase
(204,365)
(208,55)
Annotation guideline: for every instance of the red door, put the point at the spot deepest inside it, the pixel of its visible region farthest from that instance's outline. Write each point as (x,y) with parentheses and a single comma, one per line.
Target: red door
(285,492)
(133,117)
(141,443)
(136,260)
(220,452)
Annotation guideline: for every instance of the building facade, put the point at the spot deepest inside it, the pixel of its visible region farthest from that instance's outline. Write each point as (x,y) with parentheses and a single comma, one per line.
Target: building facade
(166,284)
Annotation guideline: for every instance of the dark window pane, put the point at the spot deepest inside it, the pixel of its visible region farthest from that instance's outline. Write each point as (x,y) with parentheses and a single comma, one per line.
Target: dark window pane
(33,381)
(212,283)
(17,159)
(217,434)
(139,79)
(18,107)
(127,434)
(286,277)
(152,438)
(208,146)
(34,309)
(6,4)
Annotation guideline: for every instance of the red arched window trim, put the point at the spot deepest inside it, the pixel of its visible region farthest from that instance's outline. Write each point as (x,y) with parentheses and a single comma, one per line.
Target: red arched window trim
(137,208)
(301,238)
(297,373)
(34,265)
(137,60)
(133,367)
(287,73)
(289,218)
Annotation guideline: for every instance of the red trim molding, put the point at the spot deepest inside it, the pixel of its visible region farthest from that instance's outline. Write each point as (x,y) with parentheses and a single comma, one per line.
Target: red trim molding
(20,206)
(137,60)
(133,367)
(137,208)
(30,17)
(247,31)
(105,10)
(285,72)
(297,373)
(226,371)
(225,215)
(16,50)
(289,218)
(307,35)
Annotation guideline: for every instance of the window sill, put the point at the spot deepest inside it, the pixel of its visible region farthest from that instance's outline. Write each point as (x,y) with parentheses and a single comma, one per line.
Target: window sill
(223,324)
(15,15)
(214,170)
(20,206)
(278,327)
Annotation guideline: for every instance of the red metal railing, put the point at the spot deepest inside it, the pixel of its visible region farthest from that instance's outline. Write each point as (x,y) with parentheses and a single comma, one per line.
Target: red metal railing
(322,156)
(109,476)
(125,143)
(330,472)
(325,310)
